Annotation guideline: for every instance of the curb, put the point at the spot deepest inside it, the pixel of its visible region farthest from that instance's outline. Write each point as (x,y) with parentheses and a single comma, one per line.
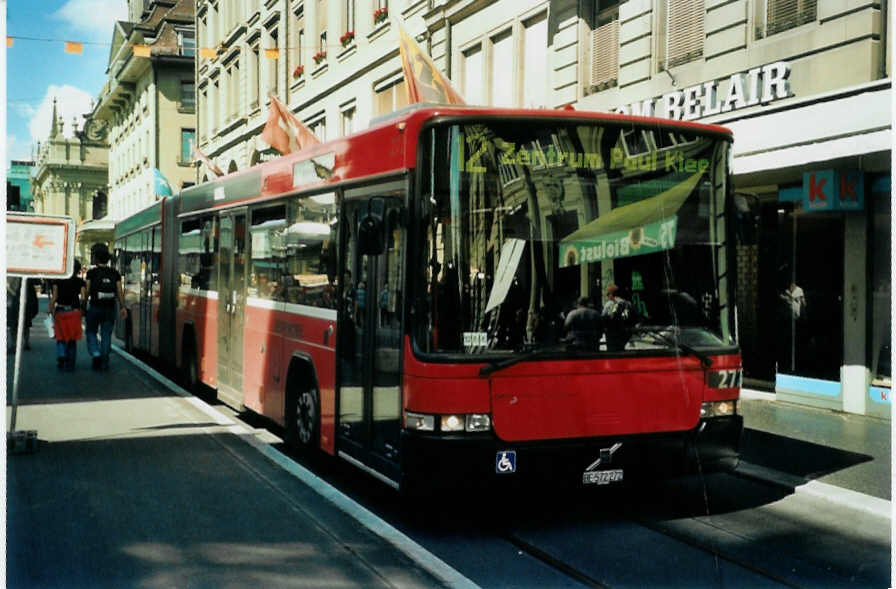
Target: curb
(368,519)
(801,486)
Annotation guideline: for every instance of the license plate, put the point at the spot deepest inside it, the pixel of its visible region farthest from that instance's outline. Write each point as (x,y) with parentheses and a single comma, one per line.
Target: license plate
(602,477)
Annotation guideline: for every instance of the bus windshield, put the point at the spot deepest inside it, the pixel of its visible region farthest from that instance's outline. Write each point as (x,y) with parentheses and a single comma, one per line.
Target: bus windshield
(523,221)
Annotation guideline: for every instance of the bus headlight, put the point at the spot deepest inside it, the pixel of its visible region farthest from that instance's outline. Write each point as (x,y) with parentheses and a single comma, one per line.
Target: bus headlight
(718,408)
(478,422)
(419,421)
(452,423)
(449,423)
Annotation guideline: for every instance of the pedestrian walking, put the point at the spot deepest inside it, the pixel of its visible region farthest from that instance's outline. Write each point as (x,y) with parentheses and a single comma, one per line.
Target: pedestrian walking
(13,292)
(103,290)
(66,299)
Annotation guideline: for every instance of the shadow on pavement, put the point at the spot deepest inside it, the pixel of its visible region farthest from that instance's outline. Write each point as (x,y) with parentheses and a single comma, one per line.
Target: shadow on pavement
(796,457)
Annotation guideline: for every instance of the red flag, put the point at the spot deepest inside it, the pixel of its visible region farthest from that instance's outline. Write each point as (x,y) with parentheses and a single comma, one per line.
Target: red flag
(198,155)
(284,132)
(425,82)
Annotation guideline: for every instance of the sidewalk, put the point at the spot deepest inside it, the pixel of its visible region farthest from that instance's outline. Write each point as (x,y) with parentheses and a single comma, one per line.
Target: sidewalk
(135,486)
(844,450)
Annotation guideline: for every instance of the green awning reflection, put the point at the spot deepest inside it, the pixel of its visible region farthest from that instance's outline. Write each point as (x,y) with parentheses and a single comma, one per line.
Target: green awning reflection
(636,229)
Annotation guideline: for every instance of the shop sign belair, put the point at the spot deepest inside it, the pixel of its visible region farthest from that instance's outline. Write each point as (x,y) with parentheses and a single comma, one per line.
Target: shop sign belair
(759,85)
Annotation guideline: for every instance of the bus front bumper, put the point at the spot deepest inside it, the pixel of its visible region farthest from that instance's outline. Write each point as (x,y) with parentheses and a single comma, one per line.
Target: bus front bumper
(483,459)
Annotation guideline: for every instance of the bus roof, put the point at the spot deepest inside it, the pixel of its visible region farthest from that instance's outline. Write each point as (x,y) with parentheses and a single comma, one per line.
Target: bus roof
(143,218)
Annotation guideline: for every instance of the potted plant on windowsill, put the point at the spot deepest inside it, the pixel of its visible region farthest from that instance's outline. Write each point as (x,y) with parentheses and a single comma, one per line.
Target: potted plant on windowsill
(298,72)
(347,38)
(319,57)
(380,15)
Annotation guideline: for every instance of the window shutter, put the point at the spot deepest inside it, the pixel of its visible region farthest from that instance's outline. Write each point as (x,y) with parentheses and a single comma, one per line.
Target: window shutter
(684,31)
(788,14)
(605,54)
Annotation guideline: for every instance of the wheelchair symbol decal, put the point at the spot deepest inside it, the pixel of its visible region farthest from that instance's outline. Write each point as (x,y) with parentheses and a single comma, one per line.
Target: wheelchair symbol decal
(505,462)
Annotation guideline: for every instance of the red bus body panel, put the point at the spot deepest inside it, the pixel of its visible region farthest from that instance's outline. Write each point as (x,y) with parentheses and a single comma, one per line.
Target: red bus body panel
(271,338)
(202,313)
(562,399)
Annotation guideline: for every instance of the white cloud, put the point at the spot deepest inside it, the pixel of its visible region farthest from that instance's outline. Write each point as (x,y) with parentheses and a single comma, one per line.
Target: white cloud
(93,17)
(17,150)
(71,103)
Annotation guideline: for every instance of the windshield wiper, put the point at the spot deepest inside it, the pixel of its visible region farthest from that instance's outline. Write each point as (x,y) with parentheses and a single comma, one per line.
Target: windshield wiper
(527,355)
(674,342)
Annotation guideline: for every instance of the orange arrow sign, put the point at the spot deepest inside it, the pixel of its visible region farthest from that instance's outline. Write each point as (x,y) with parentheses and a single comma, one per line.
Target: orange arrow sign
(39,241)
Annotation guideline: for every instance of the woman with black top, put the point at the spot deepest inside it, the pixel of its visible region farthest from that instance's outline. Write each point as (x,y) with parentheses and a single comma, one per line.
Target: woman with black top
(65,305)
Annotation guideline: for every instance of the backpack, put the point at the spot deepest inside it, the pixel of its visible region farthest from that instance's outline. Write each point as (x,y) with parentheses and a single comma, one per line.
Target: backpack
(102,285)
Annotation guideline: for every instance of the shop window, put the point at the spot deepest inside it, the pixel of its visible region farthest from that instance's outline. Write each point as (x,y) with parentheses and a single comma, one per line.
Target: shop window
(808,302)
(880,320)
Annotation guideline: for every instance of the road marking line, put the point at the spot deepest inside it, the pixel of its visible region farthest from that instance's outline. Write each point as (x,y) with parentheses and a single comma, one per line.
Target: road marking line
(417,553)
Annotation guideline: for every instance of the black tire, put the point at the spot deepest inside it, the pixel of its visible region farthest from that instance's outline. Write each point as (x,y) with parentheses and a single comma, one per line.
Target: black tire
(190,368)
(302,417)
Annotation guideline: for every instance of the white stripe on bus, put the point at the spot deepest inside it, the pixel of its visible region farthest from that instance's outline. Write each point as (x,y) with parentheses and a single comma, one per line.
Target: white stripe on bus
(296,309)
(205,294)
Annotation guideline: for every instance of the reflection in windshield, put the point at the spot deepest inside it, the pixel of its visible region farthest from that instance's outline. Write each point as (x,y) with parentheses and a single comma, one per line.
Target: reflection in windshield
(526,223)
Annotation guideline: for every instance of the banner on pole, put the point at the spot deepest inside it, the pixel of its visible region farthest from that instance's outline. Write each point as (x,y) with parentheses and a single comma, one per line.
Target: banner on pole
(41,246)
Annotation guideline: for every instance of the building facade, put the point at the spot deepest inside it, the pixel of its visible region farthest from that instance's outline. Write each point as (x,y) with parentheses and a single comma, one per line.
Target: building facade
(19,175)
(149,104)
(806,89)
(70,175)
(337,64)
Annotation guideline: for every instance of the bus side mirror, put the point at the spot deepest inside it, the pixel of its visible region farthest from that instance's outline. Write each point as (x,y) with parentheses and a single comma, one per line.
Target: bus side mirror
(371,229)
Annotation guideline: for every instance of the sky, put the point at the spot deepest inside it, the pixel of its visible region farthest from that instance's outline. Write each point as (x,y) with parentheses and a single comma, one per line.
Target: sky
(39,70)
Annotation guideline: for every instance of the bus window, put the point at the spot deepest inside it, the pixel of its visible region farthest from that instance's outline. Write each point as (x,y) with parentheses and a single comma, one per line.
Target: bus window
(293,251)
(197,251)
(267,253)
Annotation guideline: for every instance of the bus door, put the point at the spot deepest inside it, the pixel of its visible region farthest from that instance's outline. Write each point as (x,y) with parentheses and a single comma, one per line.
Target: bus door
(155,290)
(145,289)
(370,335)
(231,305)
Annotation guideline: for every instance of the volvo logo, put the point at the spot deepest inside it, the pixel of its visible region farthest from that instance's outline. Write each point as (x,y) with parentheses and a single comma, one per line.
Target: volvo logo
(606,456)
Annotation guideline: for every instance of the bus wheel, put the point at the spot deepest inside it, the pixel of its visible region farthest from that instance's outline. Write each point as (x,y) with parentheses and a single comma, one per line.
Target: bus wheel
(190,369)
(303,417)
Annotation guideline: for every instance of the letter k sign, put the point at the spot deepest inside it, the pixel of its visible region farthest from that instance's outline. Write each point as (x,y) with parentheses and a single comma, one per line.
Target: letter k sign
(852,190)
(818,190)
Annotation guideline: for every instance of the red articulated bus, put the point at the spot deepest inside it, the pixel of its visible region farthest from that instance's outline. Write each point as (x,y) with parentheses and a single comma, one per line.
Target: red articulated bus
(399,297)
